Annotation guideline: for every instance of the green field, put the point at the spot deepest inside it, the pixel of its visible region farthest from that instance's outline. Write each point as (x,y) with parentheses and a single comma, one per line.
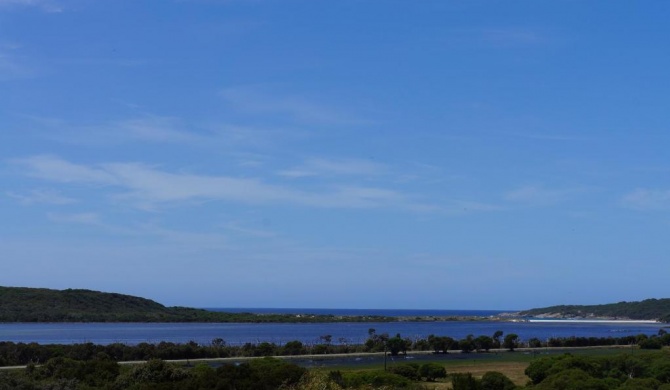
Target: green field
(511,364)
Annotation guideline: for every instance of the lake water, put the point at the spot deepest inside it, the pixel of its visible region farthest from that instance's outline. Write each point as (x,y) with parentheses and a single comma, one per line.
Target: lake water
(236,333)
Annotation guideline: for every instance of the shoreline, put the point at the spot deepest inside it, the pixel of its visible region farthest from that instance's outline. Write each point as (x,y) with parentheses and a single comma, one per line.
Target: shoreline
(591,321)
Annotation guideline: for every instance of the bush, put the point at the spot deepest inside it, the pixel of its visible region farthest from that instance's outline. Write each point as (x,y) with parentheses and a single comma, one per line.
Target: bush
(409,371)
(374,379)
(464,382)
(640,384)
(496,381)
(651,343)
(432,371)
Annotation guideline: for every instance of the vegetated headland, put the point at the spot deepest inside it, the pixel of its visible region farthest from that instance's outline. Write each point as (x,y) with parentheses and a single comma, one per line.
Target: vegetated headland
(22,304)
(648,309)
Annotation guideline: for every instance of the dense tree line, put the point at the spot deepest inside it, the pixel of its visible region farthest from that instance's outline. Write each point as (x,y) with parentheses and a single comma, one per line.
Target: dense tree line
(625,371)
(649,309)
(101,373)
(649,371)
(24,353)
(258,374)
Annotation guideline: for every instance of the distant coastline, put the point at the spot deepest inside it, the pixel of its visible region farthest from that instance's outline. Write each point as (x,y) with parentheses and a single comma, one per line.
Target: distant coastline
(21,304)
(364,312)
(591,321)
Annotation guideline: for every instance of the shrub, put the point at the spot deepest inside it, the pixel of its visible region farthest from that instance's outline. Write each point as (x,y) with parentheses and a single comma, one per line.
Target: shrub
(374,379)
(496,381)
(409,371)
(432,371)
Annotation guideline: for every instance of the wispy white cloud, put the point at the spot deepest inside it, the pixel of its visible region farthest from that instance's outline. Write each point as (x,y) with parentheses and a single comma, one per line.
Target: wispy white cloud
(255,100)
(156,129)
(330,167)
(45,5)
(78,218)
(59,170)
(145,128)
(147,186)
(540,196)
(238,227)
(178,238)
(186,239)
(466,206)
(41,196)
(11,66)
(647,200)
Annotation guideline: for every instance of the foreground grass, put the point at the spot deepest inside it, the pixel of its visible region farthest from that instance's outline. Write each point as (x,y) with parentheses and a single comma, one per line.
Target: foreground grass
(511,364)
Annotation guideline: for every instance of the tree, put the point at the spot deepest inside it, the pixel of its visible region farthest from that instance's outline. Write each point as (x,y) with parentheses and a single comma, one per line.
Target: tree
(325,347)
(432,371)
(376,342)
(511,342)
(496,381)
(396,345)
(483,342)
(409,371)
(496,338)
(574,379)
(467,344)
(294,347)
(464,382)
(326,338)
(218,342)
(440,344)
(651,343)
(534,343)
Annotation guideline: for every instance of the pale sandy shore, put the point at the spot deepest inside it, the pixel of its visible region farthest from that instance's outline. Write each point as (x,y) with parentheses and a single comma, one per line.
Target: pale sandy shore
(604,321)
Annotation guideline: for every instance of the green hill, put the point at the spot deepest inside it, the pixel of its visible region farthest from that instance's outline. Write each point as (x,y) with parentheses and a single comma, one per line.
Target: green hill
(21,304)
(649,309)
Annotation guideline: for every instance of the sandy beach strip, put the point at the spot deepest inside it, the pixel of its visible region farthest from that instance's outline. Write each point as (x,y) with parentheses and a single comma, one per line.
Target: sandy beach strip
(594,321)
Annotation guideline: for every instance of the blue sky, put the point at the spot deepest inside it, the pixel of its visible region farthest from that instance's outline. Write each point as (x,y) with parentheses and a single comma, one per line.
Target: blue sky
(361,154)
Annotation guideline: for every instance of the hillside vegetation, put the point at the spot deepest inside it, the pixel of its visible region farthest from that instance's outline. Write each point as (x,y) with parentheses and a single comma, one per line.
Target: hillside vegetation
(649,309)
(21,304)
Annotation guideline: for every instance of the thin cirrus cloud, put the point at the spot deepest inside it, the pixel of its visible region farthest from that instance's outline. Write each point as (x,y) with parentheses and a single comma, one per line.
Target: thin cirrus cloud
(330,167)
(78,218)
(147,186)
(647,200)
(45,5)
(147,128)
(156,129)
(540,196)
(11,66)
(256,100)
(40,196)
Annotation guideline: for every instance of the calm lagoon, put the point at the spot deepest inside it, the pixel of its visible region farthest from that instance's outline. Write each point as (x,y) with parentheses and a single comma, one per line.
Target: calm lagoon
(238,333)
